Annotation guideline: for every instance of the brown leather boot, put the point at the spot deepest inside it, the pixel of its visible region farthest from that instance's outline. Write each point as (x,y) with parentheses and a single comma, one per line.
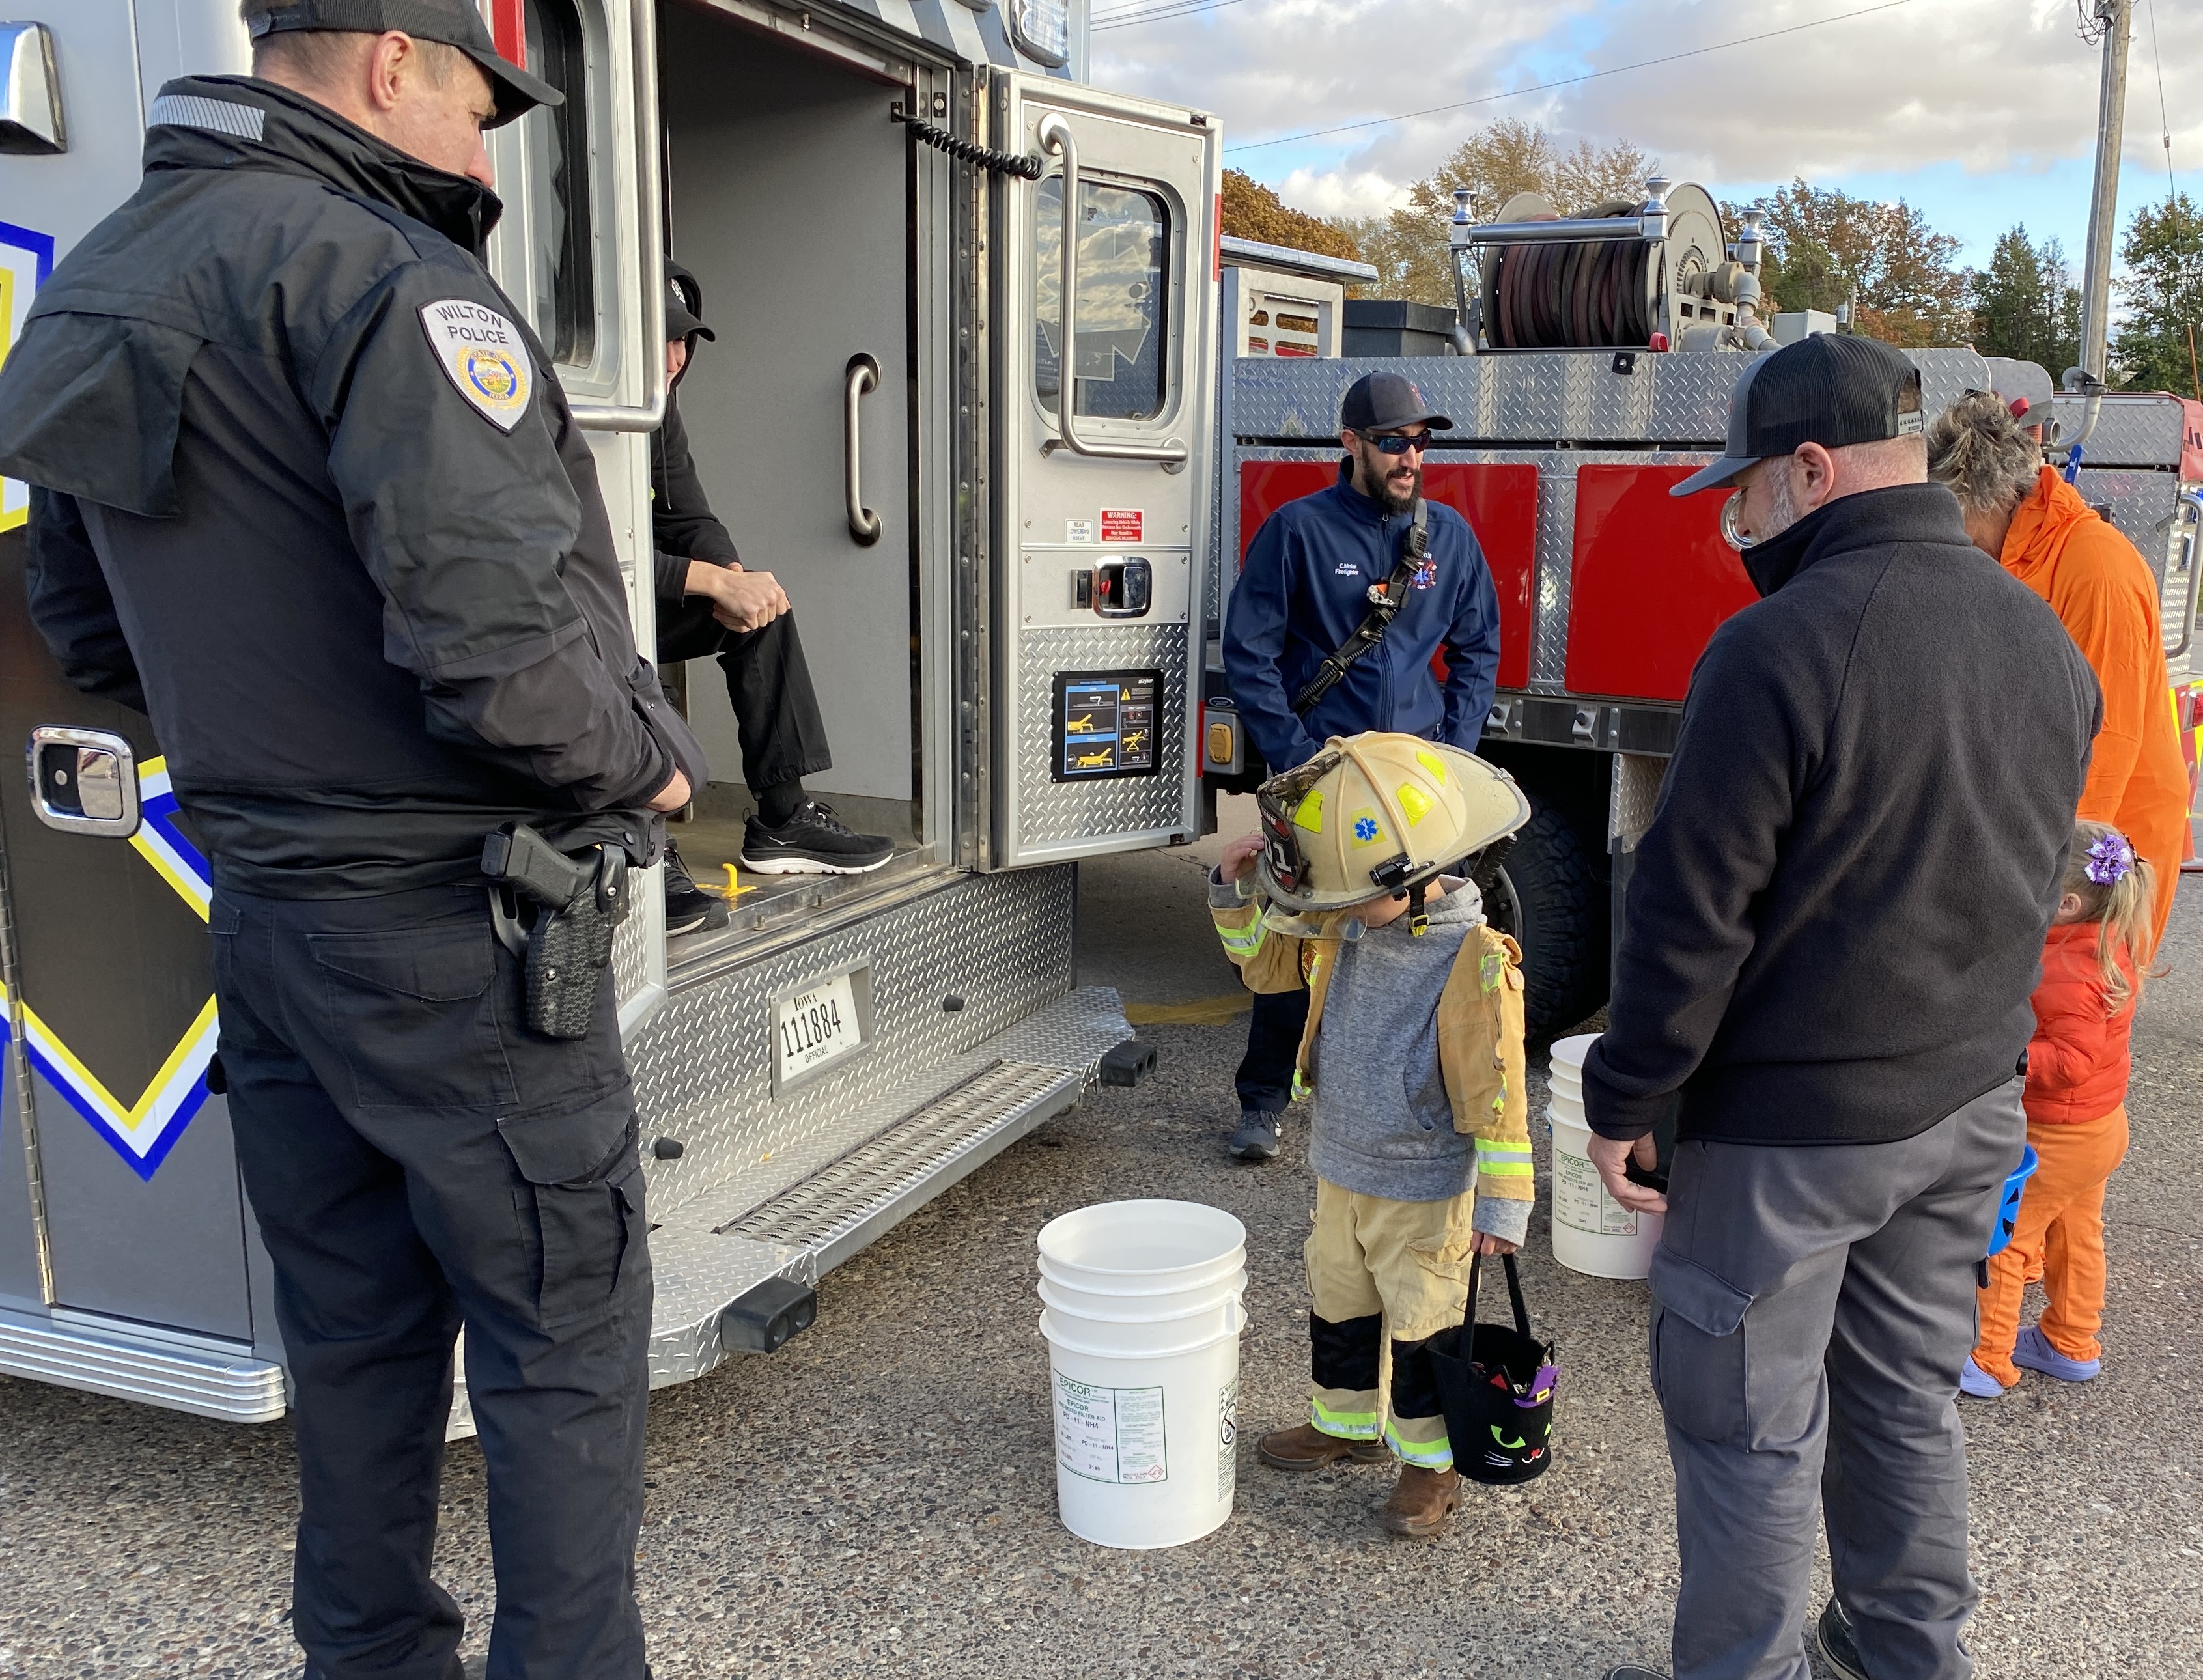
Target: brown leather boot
(1304,1446)
(1422,1503)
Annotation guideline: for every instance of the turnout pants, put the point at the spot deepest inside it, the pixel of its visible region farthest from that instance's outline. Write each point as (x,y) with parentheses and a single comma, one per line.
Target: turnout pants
(768,683)
(1811,1307)
(2060,1237)
(1374,1265)
(1273,1045)
(418,1160)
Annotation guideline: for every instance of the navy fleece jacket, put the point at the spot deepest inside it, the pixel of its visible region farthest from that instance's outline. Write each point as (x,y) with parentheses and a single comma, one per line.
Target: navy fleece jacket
(1303,591)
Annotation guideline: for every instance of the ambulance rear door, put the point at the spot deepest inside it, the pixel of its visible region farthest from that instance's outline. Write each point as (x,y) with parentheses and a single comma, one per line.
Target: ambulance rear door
(1100,471)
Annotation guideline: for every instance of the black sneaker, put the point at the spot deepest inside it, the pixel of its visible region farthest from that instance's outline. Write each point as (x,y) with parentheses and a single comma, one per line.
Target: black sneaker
(1258,1135)
(688,908)
(1833,1634)
(814,842)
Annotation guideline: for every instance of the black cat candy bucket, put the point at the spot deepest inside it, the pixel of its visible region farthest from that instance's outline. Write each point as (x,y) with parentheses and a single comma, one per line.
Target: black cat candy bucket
(1496,1386)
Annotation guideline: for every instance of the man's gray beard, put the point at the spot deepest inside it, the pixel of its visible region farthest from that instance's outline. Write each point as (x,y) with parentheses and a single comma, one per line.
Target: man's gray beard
(1782,507)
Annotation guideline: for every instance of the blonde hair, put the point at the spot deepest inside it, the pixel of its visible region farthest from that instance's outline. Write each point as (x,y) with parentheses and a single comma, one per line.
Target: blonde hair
(2122,910)
(1983,454)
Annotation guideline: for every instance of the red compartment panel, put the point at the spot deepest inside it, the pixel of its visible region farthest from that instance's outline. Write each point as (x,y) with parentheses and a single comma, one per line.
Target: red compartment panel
(1650,579)
(1499,502)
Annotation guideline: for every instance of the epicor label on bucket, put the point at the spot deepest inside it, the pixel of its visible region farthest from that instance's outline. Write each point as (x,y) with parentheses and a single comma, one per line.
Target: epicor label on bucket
(1110,1435)
(1227,1439)
(1582,1203)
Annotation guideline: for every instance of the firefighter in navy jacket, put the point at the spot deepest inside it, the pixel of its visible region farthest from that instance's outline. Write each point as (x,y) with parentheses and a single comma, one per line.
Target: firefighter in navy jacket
(1303,591)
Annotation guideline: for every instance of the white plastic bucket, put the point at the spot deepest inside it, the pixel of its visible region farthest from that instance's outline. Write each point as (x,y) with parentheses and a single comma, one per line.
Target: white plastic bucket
(1593,1233)
(1570,1053)
(1142,1247)
(1068,1300)
(1146,1444)
(1141,1333)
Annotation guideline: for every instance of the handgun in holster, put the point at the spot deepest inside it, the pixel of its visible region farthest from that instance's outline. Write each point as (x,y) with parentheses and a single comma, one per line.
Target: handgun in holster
(557,913)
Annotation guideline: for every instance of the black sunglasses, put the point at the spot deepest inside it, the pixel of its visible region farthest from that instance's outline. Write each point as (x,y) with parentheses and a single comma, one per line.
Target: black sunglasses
(1399,443)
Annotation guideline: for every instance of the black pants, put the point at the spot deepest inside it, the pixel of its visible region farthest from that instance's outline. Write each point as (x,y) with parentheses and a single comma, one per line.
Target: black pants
(769,684)
(1273,1045)
(419,1160)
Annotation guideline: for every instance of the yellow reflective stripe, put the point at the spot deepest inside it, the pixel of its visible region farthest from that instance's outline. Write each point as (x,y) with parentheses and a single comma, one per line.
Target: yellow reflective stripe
(1245,941)
(1503,1160)
(1301,1088)
(1424,1454)
(1346,1425)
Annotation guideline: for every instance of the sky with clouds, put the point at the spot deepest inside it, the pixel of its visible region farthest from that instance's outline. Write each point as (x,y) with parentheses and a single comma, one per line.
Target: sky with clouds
(1982,113)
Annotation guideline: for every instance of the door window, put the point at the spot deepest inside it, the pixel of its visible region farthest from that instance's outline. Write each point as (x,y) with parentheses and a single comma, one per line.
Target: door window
(556,181)
(1121,358)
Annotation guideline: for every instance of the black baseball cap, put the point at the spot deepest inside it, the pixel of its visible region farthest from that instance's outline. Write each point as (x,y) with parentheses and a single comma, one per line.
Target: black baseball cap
(456,23)
(1831,390)
(684,306)
(1386,403)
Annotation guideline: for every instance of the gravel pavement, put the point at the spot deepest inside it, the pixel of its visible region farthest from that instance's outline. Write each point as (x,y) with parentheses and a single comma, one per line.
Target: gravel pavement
(877,1499)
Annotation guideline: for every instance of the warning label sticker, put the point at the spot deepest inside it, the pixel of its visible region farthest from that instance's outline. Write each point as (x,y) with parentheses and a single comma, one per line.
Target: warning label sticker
(1122,525)
(1110,1435)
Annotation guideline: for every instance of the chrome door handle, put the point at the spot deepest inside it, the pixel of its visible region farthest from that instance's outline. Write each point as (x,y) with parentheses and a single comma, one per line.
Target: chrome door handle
(1056,136)
(83,781)
(861,375)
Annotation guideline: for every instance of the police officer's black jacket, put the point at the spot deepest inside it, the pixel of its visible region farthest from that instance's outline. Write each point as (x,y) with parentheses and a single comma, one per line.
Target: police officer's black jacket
(309,497)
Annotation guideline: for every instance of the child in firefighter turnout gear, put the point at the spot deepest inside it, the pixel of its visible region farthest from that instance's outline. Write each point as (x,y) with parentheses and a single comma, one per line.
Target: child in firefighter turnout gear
(1414,1060)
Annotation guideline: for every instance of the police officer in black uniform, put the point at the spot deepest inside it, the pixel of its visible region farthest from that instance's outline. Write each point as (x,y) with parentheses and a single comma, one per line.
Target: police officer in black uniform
(307,492)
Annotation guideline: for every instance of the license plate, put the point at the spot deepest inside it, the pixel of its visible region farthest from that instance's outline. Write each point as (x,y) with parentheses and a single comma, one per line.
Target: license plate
(818,1027)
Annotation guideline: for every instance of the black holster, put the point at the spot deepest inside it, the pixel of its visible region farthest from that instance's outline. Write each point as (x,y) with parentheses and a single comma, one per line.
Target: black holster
(558,914)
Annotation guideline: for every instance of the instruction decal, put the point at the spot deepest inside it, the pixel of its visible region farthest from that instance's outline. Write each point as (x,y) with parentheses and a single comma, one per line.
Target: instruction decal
(1104,724)
(1122,525)
(483,355)
(26,258)
(1078,530)
(1110,1435)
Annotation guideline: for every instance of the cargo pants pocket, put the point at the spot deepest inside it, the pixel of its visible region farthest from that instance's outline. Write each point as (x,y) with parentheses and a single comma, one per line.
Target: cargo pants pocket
(412,1012)
(580,1205)
(1700,1371)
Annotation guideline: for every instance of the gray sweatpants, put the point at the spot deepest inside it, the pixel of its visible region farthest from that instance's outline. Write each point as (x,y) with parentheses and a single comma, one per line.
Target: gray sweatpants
(1812,1308)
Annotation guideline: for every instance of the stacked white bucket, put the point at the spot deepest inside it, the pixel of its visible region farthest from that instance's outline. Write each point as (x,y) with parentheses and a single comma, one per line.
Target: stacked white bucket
(1142,1312)
(1593,1233)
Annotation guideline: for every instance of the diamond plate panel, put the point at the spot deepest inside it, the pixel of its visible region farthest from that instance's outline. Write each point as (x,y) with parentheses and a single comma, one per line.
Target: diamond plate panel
(2136,430)
(2143,503)
(633,937)
(1636,791)
(694,1277)
(1050,813)
(703,1063)
(1538,396)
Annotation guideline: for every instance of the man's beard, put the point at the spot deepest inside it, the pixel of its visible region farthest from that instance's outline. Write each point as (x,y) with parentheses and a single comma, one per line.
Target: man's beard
(1782,511)
(1397,494)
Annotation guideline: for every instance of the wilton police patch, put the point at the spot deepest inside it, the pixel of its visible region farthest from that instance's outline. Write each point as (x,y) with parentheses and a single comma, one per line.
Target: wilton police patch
(483,355)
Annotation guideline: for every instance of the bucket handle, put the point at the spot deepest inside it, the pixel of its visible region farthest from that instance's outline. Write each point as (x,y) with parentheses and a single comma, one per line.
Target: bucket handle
(1514,1293)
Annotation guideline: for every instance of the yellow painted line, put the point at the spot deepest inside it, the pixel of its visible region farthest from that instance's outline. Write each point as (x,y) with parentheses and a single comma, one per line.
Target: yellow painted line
(1202,1012)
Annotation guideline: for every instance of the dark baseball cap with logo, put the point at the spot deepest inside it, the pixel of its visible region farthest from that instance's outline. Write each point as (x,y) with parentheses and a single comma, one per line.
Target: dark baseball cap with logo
(1386,403)
(456,23)
(1830,390)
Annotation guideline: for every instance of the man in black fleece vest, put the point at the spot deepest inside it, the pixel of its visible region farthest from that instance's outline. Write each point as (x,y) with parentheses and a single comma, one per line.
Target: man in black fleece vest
(1833,925)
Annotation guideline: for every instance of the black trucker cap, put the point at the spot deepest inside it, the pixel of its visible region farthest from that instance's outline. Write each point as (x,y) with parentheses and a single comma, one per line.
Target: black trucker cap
(456,23)
(1386,403)
(684,306)
(1829,390)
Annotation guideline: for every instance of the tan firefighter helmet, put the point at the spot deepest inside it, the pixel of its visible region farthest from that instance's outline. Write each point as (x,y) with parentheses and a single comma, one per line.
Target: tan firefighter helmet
(1377,814)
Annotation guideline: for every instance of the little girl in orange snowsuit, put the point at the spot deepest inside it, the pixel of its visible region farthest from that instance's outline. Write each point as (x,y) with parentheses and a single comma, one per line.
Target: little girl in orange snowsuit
(2076,1119)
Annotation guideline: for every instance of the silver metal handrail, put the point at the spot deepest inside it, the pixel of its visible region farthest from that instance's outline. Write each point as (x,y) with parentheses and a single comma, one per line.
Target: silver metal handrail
(860,376)
(1055,136)
(2192,501)
(649,415)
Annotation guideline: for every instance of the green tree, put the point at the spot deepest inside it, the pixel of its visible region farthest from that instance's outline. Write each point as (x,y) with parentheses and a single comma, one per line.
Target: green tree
(2162,289)
(1826,247)
(2025,303)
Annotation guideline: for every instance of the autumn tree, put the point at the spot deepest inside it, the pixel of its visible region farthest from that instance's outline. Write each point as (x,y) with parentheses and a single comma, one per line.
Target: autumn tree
(1253,211)
(1826,248)
(2025,305)
(2162,288)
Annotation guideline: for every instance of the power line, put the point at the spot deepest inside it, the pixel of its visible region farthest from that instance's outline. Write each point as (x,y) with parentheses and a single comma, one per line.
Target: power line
(2163,117)
(1131,15)
(1570,81)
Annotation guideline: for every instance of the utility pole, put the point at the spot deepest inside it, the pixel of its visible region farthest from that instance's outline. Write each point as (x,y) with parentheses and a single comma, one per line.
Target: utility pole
(2116,20)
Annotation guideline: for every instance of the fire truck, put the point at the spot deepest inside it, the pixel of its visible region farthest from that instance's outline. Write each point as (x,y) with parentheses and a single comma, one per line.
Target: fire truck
(976,452)
(1587,368)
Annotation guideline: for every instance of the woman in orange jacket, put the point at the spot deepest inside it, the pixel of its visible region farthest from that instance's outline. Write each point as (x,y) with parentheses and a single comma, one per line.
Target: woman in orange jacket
(2026,516)
(2076,1119)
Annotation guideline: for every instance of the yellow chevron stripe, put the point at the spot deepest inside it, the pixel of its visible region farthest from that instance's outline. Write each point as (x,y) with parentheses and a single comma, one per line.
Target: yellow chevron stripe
(128,1118)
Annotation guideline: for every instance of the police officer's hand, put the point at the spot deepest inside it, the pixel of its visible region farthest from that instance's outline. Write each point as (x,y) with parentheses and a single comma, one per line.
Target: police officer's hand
(743,599)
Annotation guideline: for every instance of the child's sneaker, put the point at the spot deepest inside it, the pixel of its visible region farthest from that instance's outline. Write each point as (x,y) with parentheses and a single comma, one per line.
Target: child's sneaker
(2034,1352)
(1973,1380)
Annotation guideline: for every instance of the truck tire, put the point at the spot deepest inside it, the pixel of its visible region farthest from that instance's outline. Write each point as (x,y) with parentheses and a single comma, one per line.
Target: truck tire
(1550,897)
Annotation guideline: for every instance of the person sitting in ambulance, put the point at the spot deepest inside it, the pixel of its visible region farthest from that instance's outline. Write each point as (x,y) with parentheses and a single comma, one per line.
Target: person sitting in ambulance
(708,603)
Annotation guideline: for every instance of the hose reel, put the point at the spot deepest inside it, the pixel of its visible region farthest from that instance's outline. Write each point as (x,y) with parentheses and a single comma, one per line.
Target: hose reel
(1620,277)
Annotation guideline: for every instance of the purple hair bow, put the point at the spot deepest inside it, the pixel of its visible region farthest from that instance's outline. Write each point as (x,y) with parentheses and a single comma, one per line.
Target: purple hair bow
(2109,858)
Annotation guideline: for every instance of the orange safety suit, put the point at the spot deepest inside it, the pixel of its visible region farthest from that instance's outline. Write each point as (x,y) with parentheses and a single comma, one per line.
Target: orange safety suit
(2077,1120)
(2103,592)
